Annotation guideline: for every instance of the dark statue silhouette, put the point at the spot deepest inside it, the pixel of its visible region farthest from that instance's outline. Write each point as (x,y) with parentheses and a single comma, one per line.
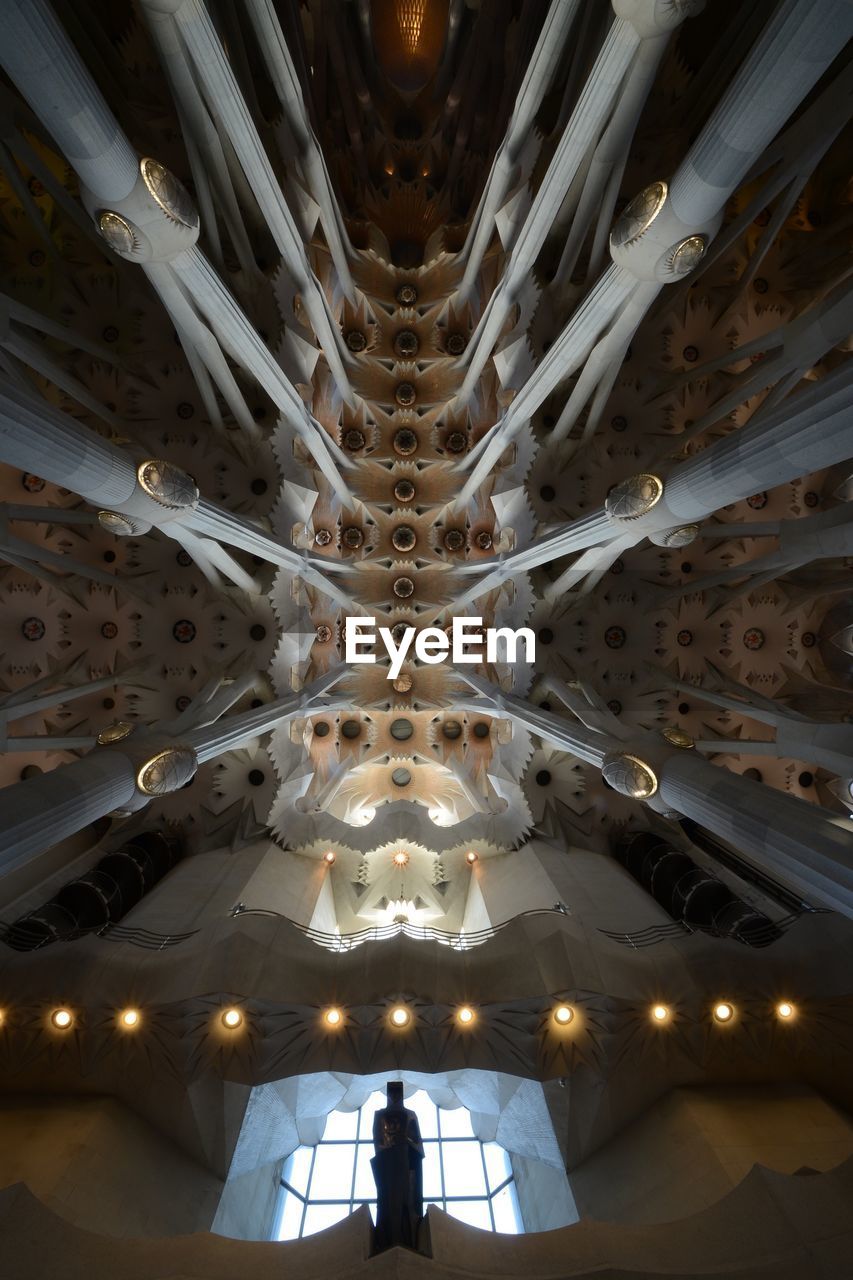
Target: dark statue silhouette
(398,1172)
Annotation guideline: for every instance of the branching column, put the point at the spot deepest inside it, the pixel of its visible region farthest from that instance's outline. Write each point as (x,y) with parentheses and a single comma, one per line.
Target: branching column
(808,847)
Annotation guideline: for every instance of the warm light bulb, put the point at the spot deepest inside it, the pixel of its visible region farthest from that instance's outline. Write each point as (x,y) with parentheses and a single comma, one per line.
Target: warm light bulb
(723,1012)
(465,1015)
(400,1017)
(471,857)
(785,1010)
(129,1019)
(401,859)
(563,1014)
(232,1018)
(62,1019)
(333,1017)
(660,1013)
(329,857)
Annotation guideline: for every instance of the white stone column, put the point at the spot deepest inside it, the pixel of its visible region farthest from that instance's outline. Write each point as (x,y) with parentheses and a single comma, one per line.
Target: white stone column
(50,74)
(41,811)
(282,72)
(586,122)
(808,431)
(798,44)
(540,72)
(227,734)
(220,87)
(807,847)
(568,353)
(35,437)
(568,735)
(130,498)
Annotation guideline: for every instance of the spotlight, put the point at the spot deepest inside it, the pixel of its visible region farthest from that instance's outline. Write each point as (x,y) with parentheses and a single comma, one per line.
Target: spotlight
(466,1015)
(471,857)
(401,859)
(563,1014)
(660,1013)
(723,1012)
(62,1019)
(329,857)
(333,1017)
(400,1016)
(785,1010)
(129,1019)
(232,1019)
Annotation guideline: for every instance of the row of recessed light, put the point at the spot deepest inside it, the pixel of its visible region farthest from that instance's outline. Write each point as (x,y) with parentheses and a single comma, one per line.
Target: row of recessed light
(401,858)
(401,1017)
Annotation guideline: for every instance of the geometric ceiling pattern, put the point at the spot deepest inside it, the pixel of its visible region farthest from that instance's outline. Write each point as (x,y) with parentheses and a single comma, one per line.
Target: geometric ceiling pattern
(409,314)
(407,366)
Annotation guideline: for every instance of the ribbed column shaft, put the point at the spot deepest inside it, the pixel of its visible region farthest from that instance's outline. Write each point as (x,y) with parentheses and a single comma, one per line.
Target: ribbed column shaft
(232,732)
(808,847)
(34,437)
(586,744)
(41,61)
(586,121)
(795,48)
(39,812)
(538,76)
(806,432)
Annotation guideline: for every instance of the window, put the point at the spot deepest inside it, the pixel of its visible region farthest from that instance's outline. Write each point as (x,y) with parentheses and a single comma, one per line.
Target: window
(471,1180)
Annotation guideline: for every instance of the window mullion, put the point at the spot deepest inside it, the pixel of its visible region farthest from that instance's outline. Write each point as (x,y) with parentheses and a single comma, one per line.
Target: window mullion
(307,1192)
(440,1157)
(488,1187)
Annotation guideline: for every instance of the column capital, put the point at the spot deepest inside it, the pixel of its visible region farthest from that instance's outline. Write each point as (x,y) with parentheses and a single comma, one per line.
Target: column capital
(154,222)
(651,242)
(651,18)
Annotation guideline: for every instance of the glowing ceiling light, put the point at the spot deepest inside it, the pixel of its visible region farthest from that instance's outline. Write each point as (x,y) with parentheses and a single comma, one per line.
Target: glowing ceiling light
(62,1019)
(333,1017)
(660,1013)
(329,856)
(129,1019)
(400,1016)
(563,1014)
(401,859)
(785,1010)
(724,1012)
(410,18)
(466,1015)
(471,857)
(232,1019)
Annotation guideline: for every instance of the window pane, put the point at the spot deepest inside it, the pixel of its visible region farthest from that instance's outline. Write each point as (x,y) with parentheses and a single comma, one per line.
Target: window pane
(463,1170)
(341,1124)
(374,1103)
(432,1171)
(498,1166)
(474,1212)
(297,1167)
(456,1124)
(365,1187)
(506,1211)
(320,1216)
(332,1179)
(291,1217)
(425,1109)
